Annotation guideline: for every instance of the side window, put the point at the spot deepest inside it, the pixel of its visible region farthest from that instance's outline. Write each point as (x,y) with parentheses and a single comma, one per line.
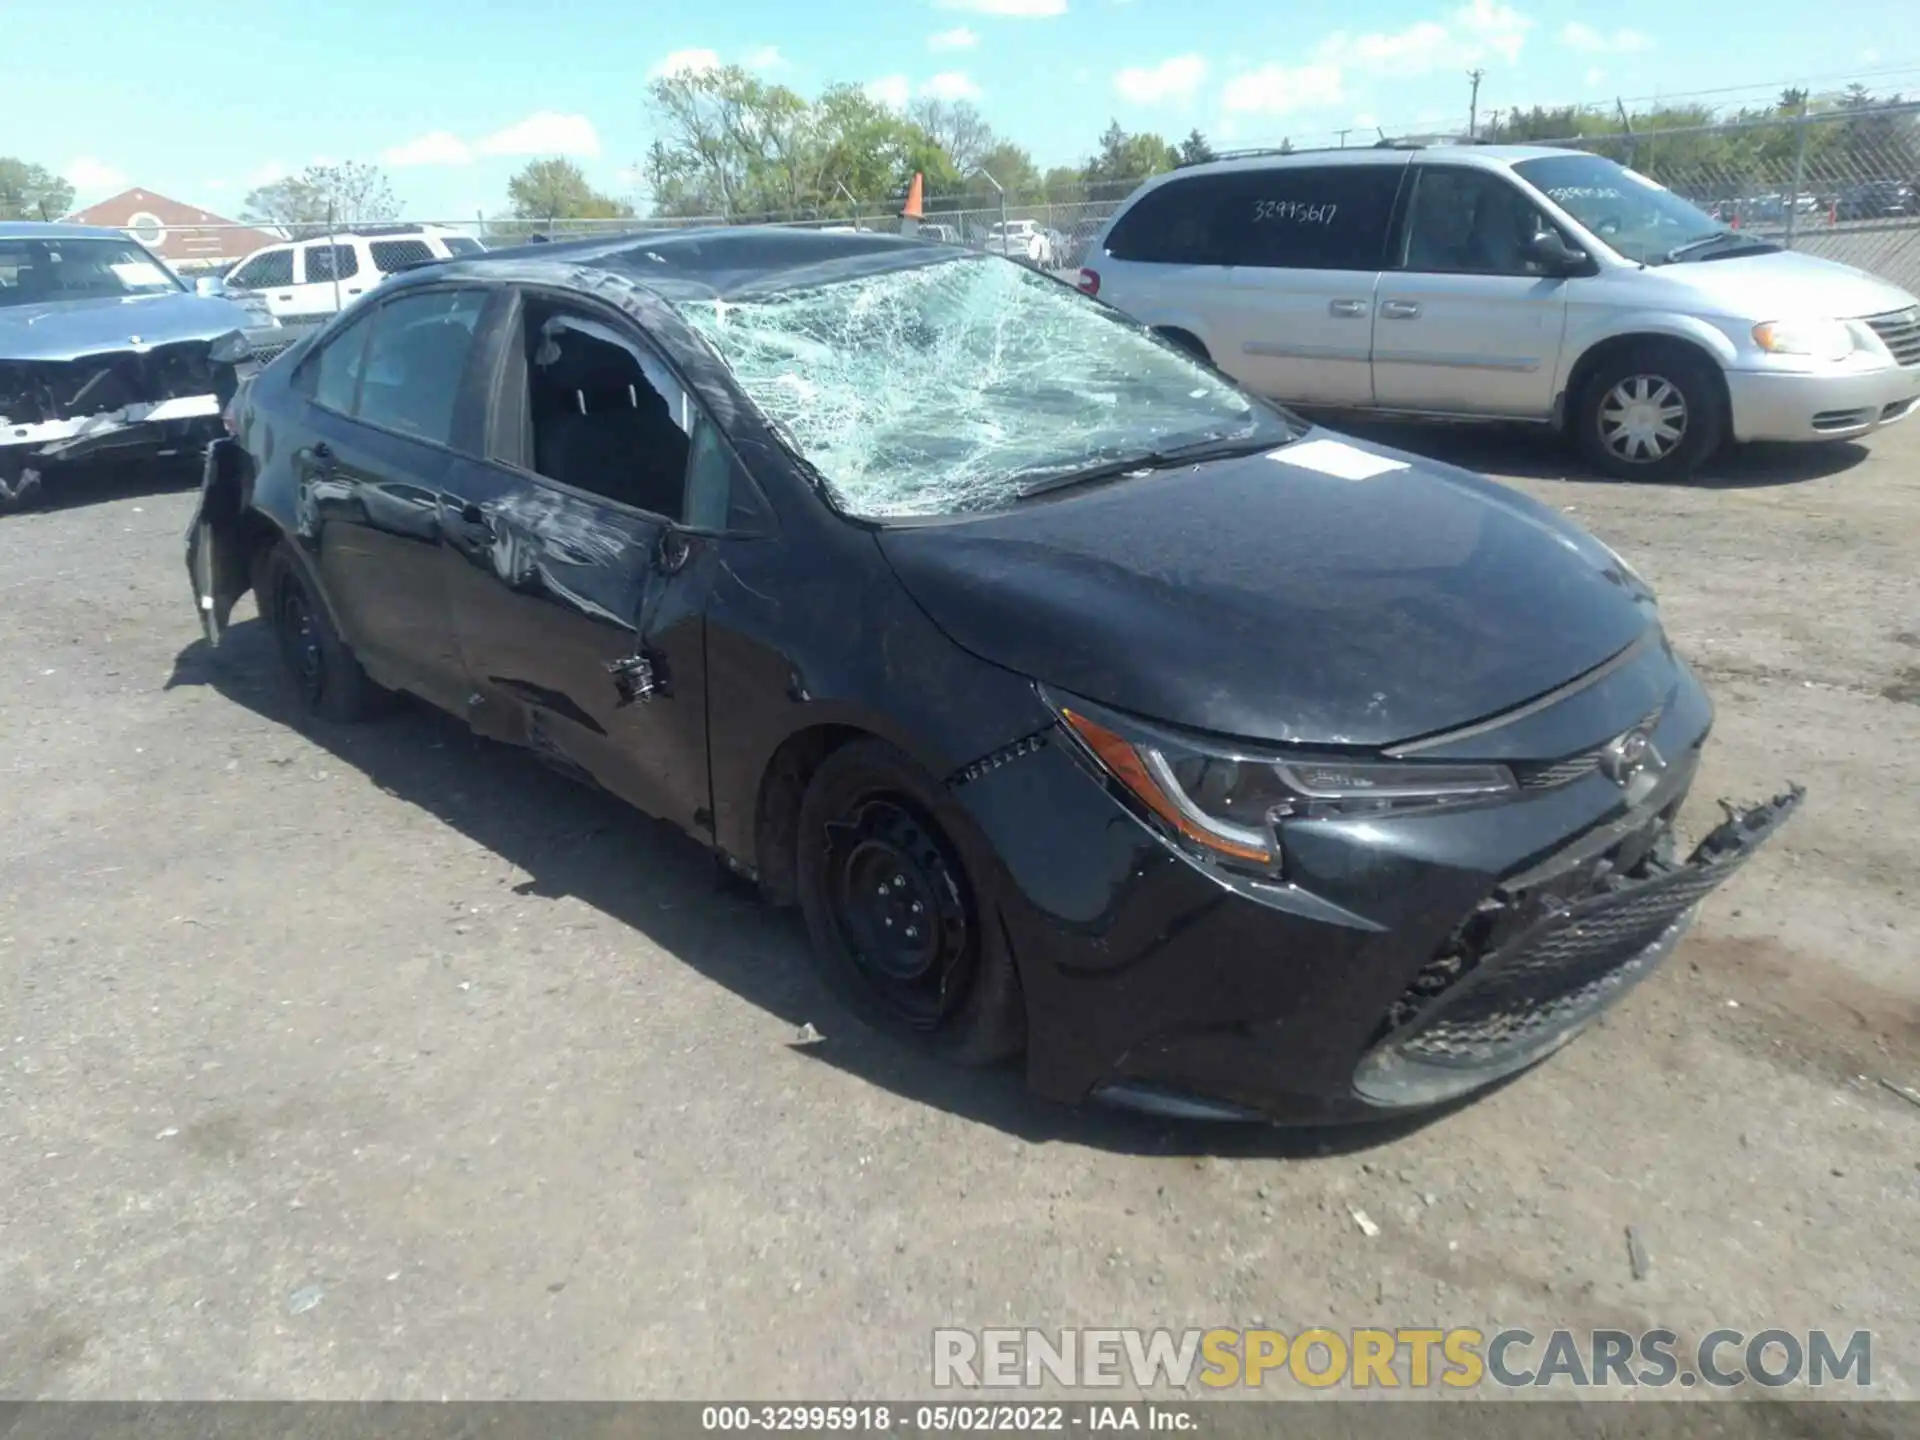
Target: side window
(391,255)
(265,271)
(326,263)
(1469,222)
(604,414)
(336,369)
(462,245)
(1174,224)
(415,360)
(1332,217)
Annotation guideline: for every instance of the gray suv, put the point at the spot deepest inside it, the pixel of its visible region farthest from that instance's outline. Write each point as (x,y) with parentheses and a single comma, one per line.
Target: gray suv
(1511,283)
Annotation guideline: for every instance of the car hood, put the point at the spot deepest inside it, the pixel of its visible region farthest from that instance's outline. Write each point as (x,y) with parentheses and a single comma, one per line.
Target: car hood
(1263,598)
(1786,285)
(68,329)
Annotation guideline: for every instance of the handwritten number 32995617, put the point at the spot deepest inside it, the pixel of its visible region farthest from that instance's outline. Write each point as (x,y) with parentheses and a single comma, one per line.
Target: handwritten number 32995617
(1300,212)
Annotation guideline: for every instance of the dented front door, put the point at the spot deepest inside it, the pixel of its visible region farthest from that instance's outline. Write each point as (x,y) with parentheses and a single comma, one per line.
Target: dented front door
(581,624)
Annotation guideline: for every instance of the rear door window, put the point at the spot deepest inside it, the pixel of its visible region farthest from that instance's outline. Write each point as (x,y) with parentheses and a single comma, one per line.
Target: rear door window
(331,262)
(1332,217)
(1470,222)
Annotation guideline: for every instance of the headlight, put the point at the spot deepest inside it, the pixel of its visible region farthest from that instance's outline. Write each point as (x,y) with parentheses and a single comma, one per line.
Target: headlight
(1819,339)
(1231,804)
(230,349)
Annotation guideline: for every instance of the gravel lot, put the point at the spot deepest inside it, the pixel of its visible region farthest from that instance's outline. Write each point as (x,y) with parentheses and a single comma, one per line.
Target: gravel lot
(380,1062)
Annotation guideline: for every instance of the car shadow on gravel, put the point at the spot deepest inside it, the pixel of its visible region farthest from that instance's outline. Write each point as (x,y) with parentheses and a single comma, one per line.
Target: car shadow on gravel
(95,482)
(1534,453)
(574,840)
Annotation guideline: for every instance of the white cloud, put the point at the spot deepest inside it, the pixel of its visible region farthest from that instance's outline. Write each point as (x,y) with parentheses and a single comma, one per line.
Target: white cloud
(437,148)
(268,173)
(544,133)
(1364,121)
(1595,76)
(958,38)
(678,62)
(951,85)
(87,173)
(213,184)
(1173,79)
(1016,9)
(1869,57)
(1590,41)
(767,57)
(890,90)
(1282,89)
(1478,30)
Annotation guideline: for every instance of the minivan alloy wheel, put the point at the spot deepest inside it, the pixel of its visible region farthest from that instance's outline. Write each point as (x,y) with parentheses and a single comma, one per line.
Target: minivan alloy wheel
(1643,419)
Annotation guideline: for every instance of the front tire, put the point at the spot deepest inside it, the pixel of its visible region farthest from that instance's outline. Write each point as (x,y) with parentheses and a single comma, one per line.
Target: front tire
(898,931)
(327,680)
(1651,412)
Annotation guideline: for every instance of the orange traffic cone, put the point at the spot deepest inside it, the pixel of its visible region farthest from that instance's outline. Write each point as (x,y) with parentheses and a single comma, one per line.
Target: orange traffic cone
(911,210)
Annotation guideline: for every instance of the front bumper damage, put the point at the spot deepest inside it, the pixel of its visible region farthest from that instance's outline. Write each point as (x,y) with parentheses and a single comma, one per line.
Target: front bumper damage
(1542,956)
(132,405)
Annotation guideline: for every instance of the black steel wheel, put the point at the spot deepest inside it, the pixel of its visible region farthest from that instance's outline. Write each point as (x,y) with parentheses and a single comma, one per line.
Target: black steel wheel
(897,928)
(327,679)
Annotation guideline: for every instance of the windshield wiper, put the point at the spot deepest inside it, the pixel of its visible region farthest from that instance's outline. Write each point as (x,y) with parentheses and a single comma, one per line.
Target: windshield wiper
(1719,237)
(1200,450)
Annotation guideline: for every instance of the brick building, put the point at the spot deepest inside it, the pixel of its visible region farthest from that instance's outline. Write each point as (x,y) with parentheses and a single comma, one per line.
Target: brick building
(182,235)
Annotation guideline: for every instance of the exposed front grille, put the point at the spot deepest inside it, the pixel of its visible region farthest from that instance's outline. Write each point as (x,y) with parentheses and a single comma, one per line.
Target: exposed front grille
(34,391)
(1530,965)
(1899,331)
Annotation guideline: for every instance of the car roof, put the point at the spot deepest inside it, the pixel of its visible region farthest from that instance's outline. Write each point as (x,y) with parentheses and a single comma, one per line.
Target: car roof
(1490,156)
(55,230)
(706,262)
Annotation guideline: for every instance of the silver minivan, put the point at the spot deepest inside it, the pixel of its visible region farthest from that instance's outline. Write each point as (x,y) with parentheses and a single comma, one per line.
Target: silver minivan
(1509,283)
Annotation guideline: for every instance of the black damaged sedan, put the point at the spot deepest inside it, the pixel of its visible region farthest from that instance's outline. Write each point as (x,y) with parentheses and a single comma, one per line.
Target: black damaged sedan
(1089,707)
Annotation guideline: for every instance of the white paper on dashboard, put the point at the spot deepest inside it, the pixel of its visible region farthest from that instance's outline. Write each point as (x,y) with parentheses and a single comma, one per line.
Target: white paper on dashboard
(139,272)
(1332,457)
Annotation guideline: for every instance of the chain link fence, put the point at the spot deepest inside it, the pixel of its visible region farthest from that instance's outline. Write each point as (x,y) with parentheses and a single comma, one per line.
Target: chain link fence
(1843,184)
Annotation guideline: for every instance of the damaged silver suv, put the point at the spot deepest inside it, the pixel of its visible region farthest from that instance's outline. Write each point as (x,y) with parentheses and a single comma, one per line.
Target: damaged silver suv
(103,352)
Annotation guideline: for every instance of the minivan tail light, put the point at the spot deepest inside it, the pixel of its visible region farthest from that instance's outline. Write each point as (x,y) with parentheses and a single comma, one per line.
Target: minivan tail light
(1089,283)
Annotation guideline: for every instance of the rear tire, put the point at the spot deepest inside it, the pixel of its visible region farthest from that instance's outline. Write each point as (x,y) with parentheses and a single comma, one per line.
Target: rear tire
(1651,412)
(327,680)
(898,931)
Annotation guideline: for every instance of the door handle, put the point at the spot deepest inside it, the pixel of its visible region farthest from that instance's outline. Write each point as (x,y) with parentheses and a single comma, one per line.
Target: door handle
(1400,310)
(1347,309)
(354,289)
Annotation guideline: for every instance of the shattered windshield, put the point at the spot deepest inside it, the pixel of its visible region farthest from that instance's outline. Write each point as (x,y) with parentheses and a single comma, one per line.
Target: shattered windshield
(40,272)
(953,387)
(1638,218)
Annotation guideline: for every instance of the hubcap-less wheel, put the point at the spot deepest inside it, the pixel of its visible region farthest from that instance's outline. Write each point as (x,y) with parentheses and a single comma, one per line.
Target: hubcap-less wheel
(300,641)
(1643,419)
(897,902)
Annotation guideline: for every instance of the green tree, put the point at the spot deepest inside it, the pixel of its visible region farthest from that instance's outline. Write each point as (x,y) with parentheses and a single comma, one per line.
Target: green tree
(558,190)
(1011,166)
(957,127)
(1194,150)
(1065,185)
(344,195)
(31,192)
(1128,158)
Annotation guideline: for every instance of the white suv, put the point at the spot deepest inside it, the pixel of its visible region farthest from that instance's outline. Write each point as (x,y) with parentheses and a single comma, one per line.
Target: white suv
(1021,240)
(1513,283)
(311,279)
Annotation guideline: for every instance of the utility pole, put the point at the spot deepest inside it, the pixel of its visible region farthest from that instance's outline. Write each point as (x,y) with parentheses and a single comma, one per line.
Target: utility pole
(1343,137)
(1473,104)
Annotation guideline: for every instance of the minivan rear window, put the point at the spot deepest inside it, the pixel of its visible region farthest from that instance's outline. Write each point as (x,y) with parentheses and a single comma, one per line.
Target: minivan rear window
(1293,217)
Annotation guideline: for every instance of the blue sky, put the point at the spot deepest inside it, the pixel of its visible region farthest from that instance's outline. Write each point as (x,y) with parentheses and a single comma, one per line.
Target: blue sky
(201,101)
